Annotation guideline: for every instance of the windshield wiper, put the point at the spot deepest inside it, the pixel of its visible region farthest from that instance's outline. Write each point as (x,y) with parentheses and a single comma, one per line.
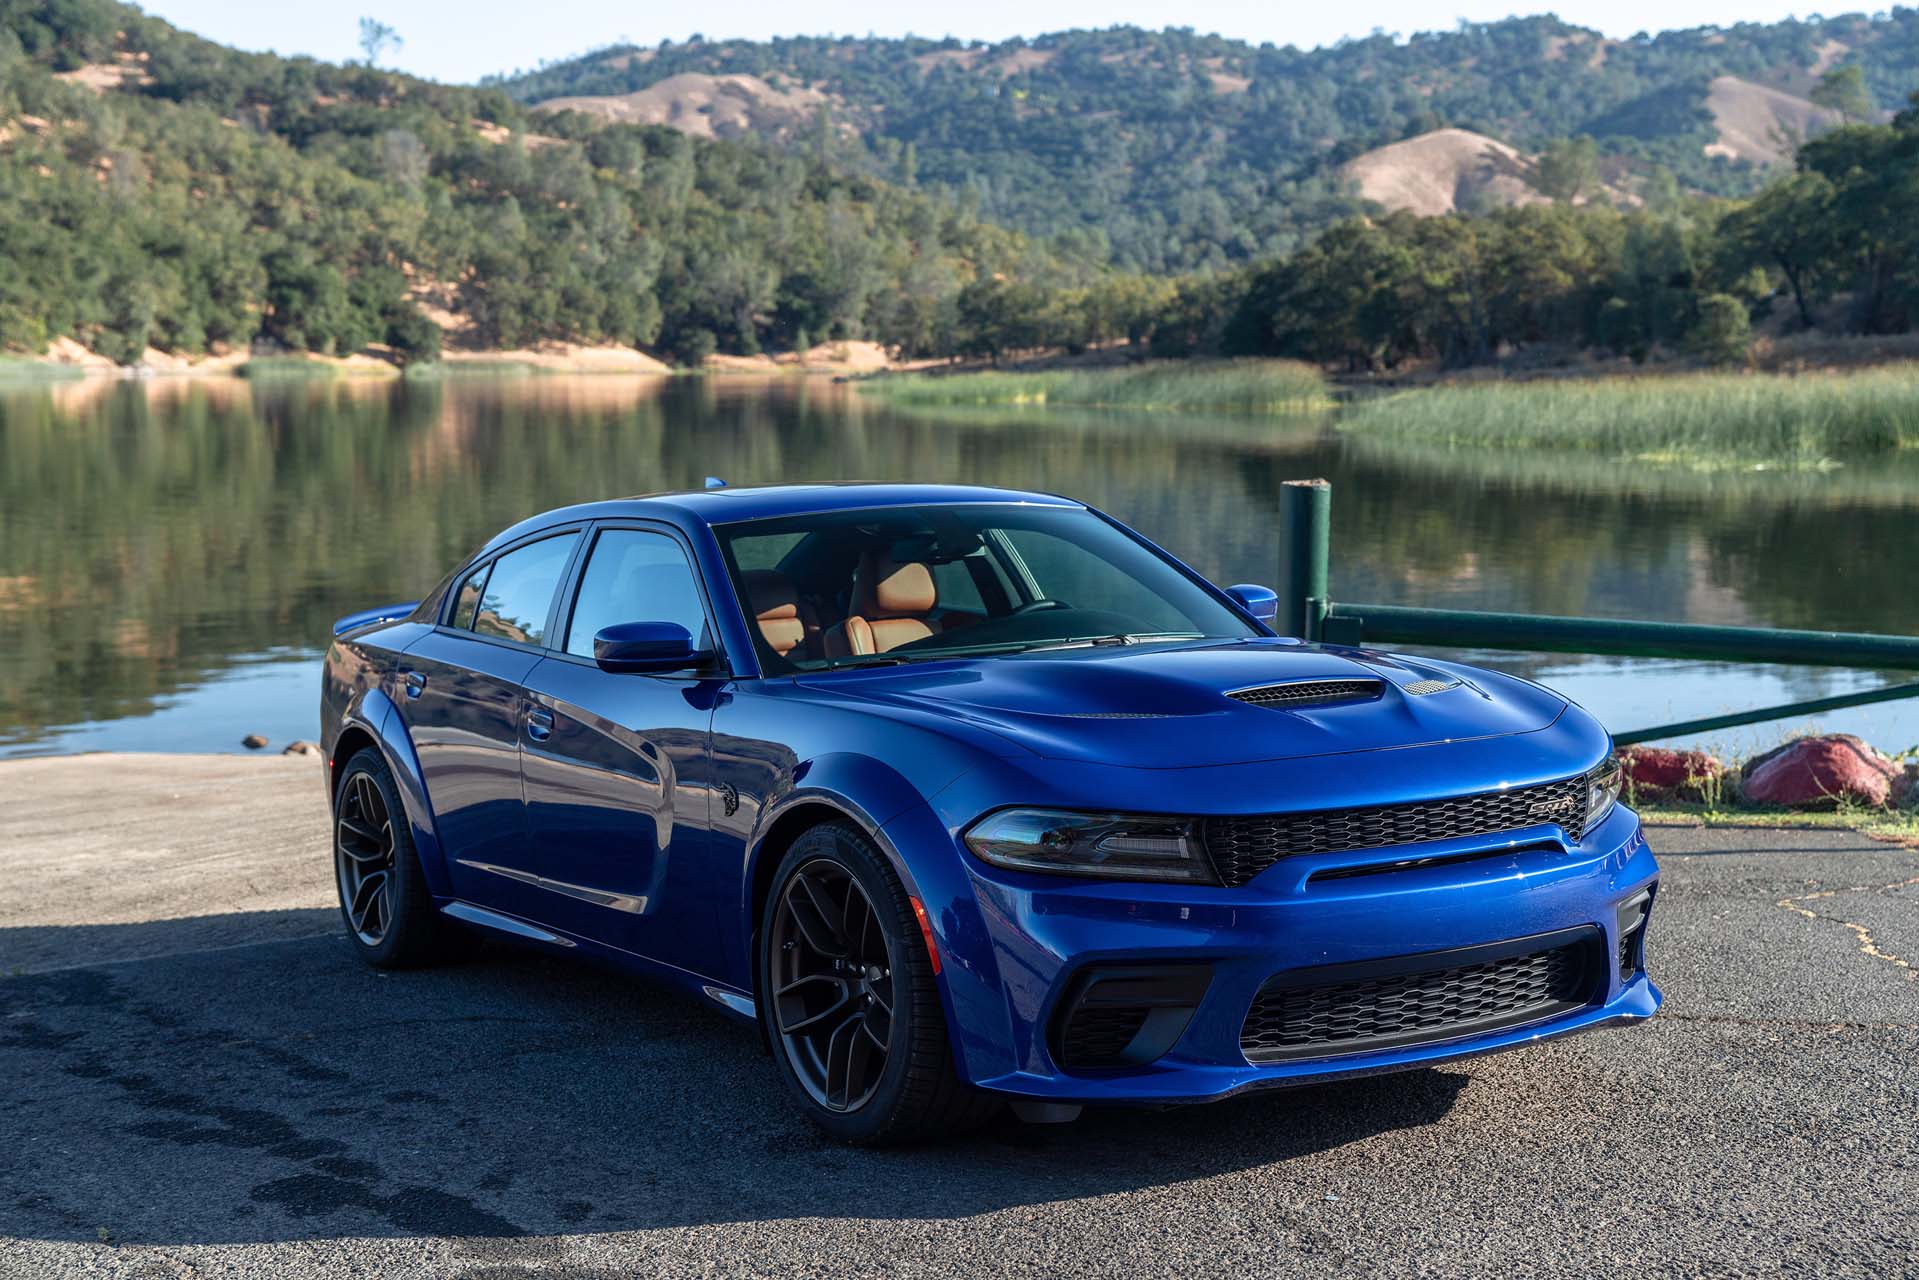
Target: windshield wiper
(1096,642)
(876,660)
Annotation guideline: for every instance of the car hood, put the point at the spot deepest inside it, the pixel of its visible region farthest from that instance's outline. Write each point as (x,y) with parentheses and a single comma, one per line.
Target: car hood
(1160,706)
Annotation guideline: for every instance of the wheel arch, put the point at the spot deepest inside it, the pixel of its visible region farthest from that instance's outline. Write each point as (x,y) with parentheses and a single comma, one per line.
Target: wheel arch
(353,739)
(373,721)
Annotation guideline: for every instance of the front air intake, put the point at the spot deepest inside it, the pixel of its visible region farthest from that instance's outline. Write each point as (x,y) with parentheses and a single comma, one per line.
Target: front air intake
(1295,694)
(1411,1000)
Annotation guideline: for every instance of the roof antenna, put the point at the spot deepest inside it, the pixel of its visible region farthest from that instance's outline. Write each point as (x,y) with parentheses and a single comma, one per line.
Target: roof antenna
(714,482)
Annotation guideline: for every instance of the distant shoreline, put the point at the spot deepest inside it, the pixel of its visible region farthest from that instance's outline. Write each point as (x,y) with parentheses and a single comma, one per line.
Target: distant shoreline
(67,360)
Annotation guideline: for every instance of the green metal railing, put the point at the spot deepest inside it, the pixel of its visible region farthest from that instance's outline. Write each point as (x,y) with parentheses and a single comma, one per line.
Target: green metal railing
(1307,610)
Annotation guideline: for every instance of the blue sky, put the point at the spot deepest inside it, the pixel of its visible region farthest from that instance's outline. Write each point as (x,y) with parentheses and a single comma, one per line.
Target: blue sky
(461,40)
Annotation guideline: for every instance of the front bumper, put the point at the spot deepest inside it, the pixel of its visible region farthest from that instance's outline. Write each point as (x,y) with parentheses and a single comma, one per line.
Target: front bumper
(1013,970)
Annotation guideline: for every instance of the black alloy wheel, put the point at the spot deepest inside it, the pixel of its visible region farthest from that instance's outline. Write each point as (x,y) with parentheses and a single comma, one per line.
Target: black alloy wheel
(850,999)
(833,998)
(364,842)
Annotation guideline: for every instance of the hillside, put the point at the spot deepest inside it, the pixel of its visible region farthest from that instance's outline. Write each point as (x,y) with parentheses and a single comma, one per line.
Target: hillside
(165,200)
(1176,151)
(163,196)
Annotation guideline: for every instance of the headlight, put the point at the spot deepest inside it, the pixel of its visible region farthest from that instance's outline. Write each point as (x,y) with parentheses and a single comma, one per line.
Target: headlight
(1118,846)
(1602,792)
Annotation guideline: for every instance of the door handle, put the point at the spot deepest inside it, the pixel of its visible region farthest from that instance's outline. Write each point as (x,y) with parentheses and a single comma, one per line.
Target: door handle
(415,683)
(539,724)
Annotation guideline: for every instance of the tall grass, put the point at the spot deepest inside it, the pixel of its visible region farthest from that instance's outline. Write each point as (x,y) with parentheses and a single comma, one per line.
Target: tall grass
(16,369)
(1232,386)
(1683,419)
(301,368)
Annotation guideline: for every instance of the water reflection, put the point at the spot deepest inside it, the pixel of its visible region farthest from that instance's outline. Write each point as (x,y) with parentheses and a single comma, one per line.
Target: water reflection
(157,540)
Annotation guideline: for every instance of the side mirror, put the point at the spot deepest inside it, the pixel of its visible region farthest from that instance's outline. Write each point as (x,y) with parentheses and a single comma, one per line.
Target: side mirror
(645,648)
(1261,602)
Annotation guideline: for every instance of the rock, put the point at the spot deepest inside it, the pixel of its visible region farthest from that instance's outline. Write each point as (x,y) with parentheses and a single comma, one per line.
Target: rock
(1661,772)
(254,741)
(301,748)
(1908,798)
(1818,772)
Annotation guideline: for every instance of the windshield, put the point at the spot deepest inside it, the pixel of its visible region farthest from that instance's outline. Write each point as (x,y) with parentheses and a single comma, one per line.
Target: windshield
(903,584)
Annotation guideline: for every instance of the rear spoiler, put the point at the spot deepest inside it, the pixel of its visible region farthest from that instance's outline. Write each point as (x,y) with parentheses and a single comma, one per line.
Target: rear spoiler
(367,617)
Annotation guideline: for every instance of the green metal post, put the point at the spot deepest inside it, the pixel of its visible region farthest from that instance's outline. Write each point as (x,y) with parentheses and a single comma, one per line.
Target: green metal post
(1305,532)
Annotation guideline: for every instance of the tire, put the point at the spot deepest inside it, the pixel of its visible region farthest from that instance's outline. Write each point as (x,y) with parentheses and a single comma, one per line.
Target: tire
(402,930)
(915,1093)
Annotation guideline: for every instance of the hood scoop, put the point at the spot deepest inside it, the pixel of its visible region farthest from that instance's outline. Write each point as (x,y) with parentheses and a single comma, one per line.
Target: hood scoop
(1294,694)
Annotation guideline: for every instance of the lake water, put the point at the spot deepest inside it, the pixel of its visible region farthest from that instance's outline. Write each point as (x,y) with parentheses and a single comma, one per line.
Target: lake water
(172,553)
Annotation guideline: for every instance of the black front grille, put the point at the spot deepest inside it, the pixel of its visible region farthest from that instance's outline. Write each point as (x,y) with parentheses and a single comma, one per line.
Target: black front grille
(1308,693)
(1341,1009)
(1242,847)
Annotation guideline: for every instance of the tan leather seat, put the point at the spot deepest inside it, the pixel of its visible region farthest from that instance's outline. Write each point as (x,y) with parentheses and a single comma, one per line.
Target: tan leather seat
(893,604)
(784,620)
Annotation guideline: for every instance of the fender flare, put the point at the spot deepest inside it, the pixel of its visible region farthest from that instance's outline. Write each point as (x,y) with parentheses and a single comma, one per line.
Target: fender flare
(867,791)
(373,713)
(894,815)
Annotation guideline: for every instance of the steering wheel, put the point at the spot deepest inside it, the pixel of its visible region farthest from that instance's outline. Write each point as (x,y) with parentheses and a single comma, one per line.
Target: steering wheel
(1034,606)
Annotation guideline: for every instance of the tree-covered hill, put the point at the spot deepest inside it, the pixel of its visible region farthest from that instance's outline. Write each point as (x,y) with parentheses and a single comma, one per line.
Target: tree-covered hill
(159,189)
(1175,151)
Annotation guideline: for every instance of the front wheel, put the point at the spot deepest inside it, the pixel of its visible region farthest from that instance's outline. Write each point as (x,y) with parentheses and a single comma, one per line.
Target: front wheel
(849,1000)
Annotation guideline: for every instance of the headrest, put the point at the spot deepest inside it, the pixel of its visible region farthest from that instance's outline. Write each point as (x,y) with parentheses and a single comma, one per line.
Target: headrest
(770,594)
(892,589)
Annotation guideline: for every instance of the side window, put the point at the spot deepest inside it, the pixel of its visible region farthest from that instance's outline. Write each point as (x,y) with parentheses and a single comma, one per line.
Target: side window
(635,576)
(468,605)
(520,591)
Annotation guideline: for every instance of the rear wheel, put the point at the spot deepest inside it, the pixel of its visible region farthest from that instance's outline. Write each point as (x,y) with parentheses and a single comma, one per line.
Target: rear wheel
(849,1000)
(384,900)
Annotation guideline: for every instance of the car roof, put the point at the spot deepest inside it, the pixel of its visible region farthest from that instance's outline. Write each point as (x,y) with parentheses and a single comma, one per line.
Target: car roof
(728,505)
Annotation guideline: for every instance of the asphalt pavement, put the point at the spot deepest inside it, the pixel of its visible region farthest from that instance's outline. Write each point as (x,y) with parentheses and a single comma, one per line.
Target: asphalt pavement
(198,1078)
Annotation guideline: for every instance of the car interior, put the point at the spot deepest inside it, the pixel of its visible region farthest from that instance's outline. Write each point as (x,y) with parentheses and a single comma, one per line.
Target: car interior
(881,594)
(863,587)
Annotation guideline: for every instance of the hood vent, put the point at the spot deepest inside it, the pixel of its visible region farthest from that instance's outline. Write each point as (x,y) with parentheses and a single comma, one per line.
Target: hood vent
(1309,693)
(1418,687)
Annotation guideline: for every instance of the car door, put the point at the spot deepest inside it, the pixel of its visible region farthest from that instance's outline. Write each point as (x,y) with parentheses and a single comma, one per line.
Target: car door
(617,768)
(463,699)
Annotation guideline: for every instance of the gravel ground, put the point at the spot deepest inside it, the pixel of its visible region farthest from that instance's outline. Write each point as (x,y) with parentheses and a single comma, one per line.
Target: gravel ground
(200,1079)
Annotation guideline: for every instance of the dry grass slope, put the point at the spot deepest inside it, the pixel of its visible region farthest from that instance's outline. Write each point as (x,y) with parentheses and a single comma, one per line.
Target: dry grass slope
(1442,172)
(1758,124)
(707,106)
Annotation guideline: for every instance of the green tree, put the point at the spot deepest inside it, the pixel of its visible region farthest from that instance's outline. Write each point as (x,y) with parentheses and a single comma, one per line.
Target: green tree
(377,39)
(1567,169)
(1788,227)
(1843,89)
(1721,332)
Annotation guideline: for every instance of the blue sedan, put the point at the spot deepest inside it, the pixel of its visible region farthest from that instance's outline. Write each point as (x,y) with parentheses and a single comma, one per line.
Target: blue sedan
(970,798)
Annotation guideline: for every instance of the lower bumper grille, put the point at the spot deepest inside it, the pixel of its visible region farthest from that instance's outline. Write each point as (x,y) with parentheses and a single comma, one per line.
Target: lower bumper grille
(1126,1015)
(1424,999)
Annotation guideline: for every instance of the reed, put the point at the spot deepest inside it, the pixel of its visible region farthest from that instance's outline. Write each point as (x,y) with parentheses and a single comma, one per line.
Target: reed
(17,369)
(1229,386)
(1705,420)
